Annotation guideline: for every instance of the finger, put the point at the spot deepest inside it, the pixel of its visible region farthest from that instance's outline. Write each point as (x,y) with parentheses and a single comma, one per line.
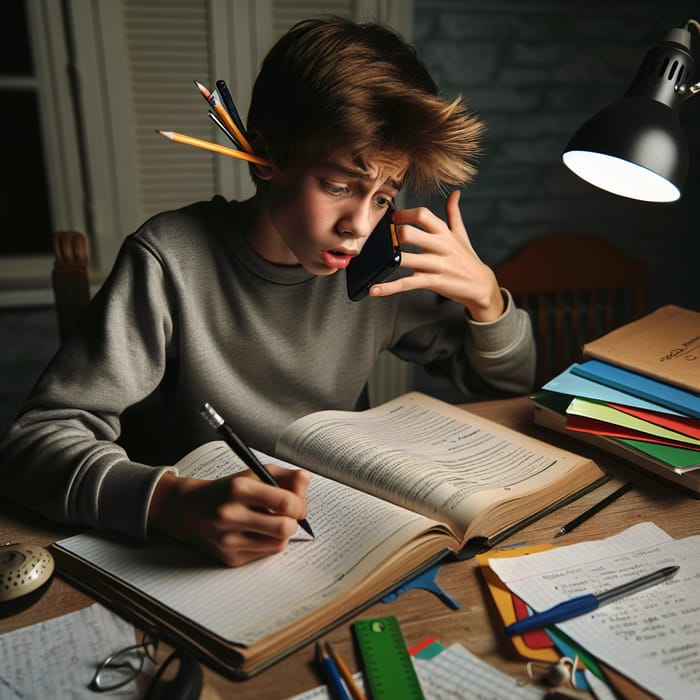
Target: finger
(455,220)
(237,518)
(295,480)
(253,493)
(417,280)
(454,215)
(239,548)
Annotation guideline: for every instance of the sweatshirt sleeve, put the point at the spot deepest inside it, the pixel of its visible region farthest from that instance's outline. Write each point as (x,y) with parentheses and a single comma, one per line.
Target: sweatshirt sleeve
(502,352)
(60,457)
(495,358)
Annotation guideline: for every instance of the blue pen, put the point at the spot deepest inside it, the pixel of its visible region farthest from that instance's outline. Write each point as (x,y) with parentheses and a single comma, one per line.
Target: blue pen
(586,603)
(336,689)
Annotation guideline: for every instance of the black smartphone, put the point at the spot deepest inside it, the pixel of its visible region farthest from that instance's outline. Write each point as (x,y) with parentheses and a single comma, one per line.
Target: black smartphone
(379,257)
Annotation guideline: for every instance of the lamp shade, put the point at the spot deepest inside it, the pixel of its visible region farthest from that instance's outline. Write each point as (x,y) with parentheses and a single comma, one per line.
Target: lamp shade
(636,147)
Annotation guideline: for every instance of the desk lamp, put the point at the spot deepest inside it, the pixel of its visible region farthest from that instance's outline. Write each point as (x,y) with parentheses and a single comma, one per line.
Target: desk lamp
(636,147)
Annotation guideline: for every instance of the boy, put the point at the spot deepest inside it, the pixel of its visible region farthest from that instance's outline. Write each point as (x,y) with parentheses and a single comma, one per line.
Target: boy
(243,304)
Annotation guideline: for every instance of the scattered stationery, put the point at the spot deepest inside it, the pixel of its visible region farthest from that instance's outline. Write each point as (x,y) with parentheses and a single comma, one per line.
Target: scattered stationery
(344,671)
(331,673)
(580,605)
(453,672)
(651,637)
(431,480)
(57,658)
(386,663)
(457,673)
(503,600)
(590,512)
(425,581)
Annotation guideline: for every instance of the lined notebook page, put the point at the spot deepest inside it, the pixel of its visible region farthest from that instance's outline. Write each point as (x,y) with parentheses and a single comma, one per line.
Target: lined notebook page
(652,636)
(245,604)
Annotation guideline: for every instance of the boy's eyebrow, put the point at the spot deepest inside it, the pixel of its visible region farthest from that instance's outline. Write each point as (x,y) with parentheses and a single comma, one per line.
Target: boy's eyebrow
(361,173)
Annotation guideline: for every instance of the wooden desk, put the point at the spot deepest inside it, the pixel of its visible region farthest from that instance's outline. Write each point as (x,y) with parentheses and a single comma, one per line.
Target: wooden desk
(475,625)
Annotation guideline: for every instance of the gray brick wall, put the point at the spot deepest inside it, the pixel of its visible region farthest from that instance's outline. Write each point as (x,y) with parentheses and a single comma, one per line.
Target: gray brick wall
(534,70)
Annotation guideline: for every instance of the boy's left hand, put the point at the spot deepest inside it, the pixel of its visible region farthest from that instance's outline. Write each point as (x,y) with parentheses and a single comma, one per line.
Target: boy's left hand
(447,263)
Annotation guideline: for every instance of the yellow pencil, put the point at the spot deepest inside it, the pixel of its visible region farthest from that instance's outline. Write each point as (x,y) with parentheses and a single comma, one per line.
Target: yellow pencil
(224,116)
(345,673)
(211,146)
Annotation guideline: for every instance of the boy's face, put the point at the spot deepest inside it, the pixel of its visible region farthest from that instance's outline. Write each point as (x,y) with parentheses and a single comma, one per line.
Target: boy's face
(321,212)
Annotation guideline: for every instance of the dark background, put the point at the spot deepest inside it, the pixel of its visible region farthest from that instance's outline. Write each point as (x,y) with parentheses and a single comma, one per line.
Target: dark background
(534,71)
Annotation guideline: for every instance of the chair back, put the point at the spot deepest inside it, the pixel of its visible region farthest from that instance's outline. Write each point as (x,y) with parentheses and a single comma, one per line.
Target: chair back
(575,287)
(71,285)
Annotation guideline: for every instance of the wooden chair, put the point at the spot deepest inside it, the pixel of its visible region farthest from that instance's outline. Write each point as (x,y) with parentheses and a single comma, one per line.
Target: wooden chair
(576,287)
(71,285)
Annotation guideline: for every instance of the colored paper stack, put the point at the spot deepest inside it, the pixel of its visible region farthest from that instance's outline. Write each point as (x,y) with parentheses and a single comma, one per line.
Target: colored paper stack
(637,395)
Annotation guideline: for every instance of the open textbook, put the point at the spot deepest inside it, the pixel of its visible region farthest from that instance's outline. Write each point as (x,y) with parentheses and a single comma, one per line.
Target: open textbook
(395,488)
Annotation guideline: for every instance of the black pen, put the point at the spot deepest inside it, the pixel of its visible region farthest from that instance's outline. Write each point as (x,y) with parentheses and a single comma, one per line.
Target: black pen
(594,509)
(229,104)
(243,451)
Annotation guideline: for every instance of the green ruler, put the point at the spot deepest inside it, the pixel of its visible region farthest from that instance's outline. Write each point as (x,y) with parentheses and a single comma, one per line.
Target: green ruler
(387,665)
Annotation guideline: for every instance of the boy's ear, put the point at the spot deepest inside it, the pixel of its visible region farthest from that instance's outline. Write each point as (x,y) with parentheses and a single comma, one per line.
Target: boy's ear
(262,172)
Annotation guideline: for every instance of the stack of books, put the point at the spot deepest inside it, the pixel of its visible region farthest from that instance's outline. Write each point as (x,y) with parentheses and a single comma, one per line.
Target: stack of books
(636,395)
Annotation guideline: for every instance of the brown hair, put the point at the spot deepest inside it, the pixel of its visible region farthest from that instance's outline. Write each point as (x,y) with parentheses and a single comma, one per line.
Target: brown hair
(331,83)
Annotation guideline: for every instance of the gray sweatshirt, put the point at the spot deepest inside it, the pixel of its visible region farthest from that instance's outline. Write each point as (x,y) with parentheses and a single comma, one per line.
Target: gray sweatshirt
(190,313)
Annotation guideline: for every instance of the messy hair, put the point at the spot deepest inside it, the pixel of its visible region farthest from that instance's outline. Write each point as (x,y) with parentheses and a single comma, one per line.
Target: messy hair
(330,83)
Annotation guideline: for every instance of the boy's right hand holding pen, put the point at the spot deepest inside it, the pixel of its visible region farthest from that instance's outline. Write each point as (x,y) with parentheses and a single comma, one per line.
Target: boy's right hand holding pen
(234,519)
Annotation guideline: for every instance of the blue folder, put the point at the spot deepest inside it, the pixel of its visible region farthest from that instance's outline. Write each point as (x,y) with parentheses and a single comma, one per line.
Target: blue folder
(685,402)
(574,385)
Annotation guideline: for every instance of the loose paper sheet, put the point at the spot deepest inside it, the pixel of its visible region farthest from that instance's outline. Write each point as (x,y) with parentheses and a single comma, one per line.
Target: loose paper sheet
(454,673)
(652,636)
(57,658)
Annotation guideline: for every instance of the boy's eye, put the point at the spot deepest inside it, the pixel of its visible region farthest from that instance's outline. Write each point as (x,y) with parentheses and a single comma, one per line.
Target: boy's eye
(332,188)
(384,202)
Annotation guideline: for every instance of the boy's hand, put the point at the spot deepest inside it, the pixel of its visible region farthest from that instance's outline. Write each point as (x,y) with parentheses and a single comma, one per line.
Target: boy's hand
(447,263)
(235,519)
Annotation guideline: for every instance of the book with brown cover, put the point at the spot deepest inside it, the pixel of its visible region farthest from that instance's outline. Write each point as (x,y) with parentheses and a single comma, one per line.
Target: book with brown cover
(663,345)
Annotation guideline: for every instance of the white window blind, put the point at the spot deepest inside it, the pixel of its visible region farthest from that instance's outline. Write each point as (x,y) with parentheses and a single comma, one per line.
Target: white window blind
(167,47)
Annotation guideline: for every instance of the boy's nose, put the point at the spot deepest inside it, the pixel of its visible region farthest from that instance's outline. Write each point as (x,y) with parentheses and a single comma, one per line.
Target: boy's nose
(356,223)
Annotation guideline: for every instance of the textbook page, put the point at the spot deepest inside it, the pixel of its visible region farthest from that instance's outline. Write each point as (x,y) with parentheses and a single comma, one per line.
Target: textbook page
(652,636)
(355,533)
(429,456)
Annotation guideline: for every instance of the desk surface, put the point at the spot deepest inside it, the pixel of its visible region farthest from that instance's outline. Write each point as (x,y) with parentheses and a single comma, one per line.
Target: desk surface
(475,625)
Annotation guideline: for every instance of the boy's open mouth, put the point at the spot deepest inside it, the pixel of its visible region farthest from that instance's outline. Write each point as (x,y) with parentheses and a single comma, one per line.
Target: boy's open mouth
(336,259)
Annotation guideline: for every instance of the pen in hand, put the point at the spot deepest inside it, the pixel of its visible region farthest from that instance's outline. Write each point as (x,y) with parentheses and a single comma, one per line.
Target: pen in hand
(243,451)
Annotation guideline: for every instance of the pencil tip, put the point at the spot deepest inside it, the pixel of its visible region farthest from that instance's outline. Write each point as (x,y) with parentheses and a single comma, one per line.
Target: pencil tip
(305,525)
(559,533)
